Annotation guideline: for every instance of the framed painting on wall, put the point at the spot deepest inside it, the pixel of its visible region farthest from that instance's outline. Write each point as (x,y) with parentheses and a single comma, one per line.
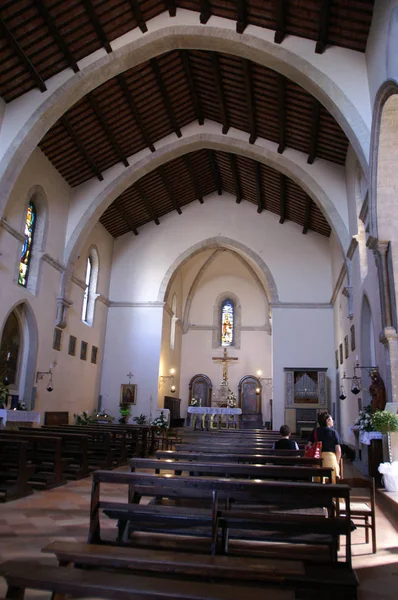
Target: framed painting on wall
(337,359)
(352,330)
(341,353)
(346,346)
(94,354)
(57,340)
(72,345)
(83,351)
(128,393)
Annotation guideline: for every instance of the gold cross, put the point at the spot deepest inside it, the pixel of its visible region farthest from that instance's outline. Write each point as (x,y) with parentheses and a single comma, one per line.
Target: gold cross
(225,359)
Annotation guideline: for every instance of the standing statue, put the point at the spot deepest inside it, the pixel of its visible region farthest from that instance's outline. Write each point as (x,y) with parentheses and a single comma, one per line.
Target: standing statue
(378,391)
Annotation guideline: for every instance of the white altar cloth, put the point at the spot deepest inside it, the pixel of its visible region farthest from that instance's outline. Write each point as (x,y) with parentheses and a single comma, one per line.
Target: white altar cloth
(365,437)
(23,416)
(213,410)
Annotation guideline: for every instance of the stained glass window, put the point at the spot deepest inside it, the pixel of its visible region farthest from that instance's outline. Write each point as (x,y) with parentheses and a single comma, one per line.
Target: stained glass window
(87,290)
(227,323)
(26,254)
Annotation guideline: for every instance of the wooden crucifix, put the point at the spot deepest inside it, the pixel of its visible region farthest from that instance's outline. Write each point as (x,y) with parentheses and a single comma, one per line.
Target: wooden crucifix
(225,359)
(129,375)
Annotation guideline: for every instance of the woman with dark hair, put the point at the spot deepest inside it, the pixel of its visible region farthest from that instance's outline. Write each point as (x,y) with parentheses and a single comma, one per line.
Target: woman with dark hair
(331,443)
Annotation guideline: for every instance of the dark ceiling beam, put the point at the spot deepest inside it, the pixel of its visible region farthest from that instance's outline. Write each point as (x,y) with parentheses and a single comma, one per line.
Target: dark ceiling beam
(191,83)
(316,111)
(282,112)
(323,29)
(133,108)
(259,189)
(135,7)
(215,172)
(193,177)
(165,96)
(205,11)
(236,178)
(95,22)
(215,63)
(146,201)
(250,99)
(29,66)
(169,189)
(126,218)
(171,7)
(54,31)
(282,197)
(280,21)
(95,107)
(307,215)
(65,122)
(241,23)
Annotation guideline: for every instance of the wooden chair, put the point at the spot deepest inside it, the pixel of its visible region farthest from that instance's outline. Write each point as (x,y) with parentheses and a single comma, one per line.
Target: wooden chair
(363,505)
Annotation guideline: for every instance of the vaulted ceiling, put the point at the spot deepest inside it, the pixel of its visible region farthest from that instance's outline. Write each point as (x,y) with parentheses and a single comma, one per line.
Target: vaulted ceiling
(39,38)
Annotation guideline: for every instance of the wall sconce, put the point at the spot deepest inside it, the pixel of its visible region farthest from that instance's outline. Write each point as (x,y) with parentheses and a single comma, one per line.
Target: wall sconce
(258,390)
(164,378)
(41,374)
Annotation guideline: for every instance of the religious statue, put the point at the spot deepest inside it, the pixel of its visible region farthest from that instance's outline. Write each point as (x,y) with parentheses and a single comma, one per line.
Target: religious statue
(378,391)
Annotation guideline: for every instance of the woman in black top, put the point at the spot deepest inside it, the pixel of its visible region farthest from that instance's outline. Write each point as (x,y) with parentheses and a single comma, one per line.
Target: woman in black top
(331,444)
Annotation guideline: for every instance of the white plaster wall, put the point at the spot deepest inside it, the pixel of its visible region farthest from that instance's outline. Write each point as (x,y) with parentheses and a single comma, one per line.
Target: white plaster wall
(76,382)
(301,338)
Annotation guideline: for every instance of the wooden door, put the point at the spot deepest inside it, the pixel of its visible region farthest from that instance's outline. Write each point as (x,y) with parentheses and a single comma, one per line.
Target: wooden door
(249,399)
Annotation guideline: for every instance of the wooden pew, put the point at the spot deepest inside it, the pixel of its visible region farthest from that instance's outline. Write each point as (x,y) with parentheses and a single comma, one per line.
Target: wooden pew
(15,469)
(121,586)
(285,472)
(45,453)
(250,447)
(302,577)
(276,458)
(100,454)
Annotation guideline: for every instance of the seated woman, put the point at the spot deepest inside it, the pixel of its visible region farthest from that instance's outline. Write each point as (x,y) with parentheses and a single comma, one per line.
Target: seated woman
(285,443)
(331,444)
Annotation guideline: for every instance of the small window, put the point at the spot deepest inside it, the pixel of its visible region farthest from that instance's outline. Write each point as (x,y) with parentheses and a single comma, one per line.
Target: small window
(26,254)
(90,290)
(83,351)
(227,323)
(87,289)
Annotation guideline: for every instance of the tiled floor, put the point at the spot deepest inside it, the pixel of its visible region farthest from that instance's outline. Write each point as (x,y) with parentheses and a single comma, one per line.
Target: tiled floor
(27,525)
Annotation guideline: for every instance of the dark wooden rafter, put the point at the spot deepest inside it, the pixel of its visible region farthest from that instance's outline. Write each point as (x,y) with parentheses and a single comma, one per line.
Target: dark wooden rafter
(191,83)
(146,201)
(169,189)
(171,7)
(135,7)
(95,107)
(135,112)
(282,197)
(307,215)
(29,66)
(241,22)
(323,30)
(165,96)
(205,11)
(96,23)
(282,112)
(259,189)
(280,21)
(235,177)
(250,99)
(194,178)
(316,112)
(65,122)
(126,218)
(215,63)
(54,31)
(216,173)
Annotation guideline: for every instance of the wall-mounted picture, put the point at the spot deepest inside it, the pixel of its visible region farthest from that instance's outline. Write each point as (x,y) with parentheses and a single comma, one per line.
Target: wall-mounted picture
(83,351)
(337,359)
(346,346)
(94,354)
(72,345)
(57,340)
(128,393)
(352,330)
(341,353)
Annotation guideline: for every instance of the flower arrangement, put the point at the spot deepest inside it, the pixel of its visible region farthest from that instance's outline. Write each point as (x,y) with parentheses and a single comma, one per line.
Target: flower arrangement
(124,410)
(141,420)
(160,422)
(231,399)
(21,406)
(83,418)
(364,421)
(194,402)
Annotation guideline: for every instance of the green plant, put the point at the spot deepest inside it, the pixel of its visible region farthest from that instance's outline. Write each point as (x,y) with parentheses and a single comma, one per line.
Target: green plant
(385,421)
(141,420)
(124,410)
(84,419)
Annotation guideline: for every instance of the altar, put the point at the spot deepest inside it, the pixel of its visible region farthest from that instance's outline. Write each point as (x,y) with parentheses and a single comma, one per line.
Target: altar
(11,419)
(210,414)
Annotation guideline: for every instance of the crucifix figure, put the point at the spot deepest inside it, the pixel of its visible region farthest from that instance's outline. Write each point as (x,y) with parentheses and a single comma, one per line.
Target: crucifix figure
(129,376)
(225,359)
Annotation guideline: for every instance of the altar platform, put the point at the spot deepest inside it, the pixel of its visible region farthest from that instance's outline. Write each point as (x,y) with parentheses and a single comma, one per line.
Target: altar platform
(12,419)
(211,416)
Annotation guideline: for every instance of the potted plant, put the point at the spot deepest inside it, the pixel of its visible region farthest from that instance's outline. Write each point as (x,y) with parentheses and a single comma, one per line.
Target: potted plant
(141,420)
(124,410)
(387,423)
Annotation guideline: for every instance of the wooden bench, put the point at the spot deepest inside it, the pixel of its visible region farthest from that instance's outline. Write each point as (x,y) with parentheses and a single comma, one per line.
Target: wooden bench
(286,472)
(333,579)
(230,447)
(15,469)
(100,454)
(277,458)
(120,586)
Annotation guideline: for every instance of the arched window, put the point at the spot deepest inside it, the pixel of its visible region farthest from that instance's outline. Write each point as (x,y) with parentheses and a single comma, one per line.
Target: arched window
(227,323)
(174,320)
(9,351)
(26,254)
(90,291)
